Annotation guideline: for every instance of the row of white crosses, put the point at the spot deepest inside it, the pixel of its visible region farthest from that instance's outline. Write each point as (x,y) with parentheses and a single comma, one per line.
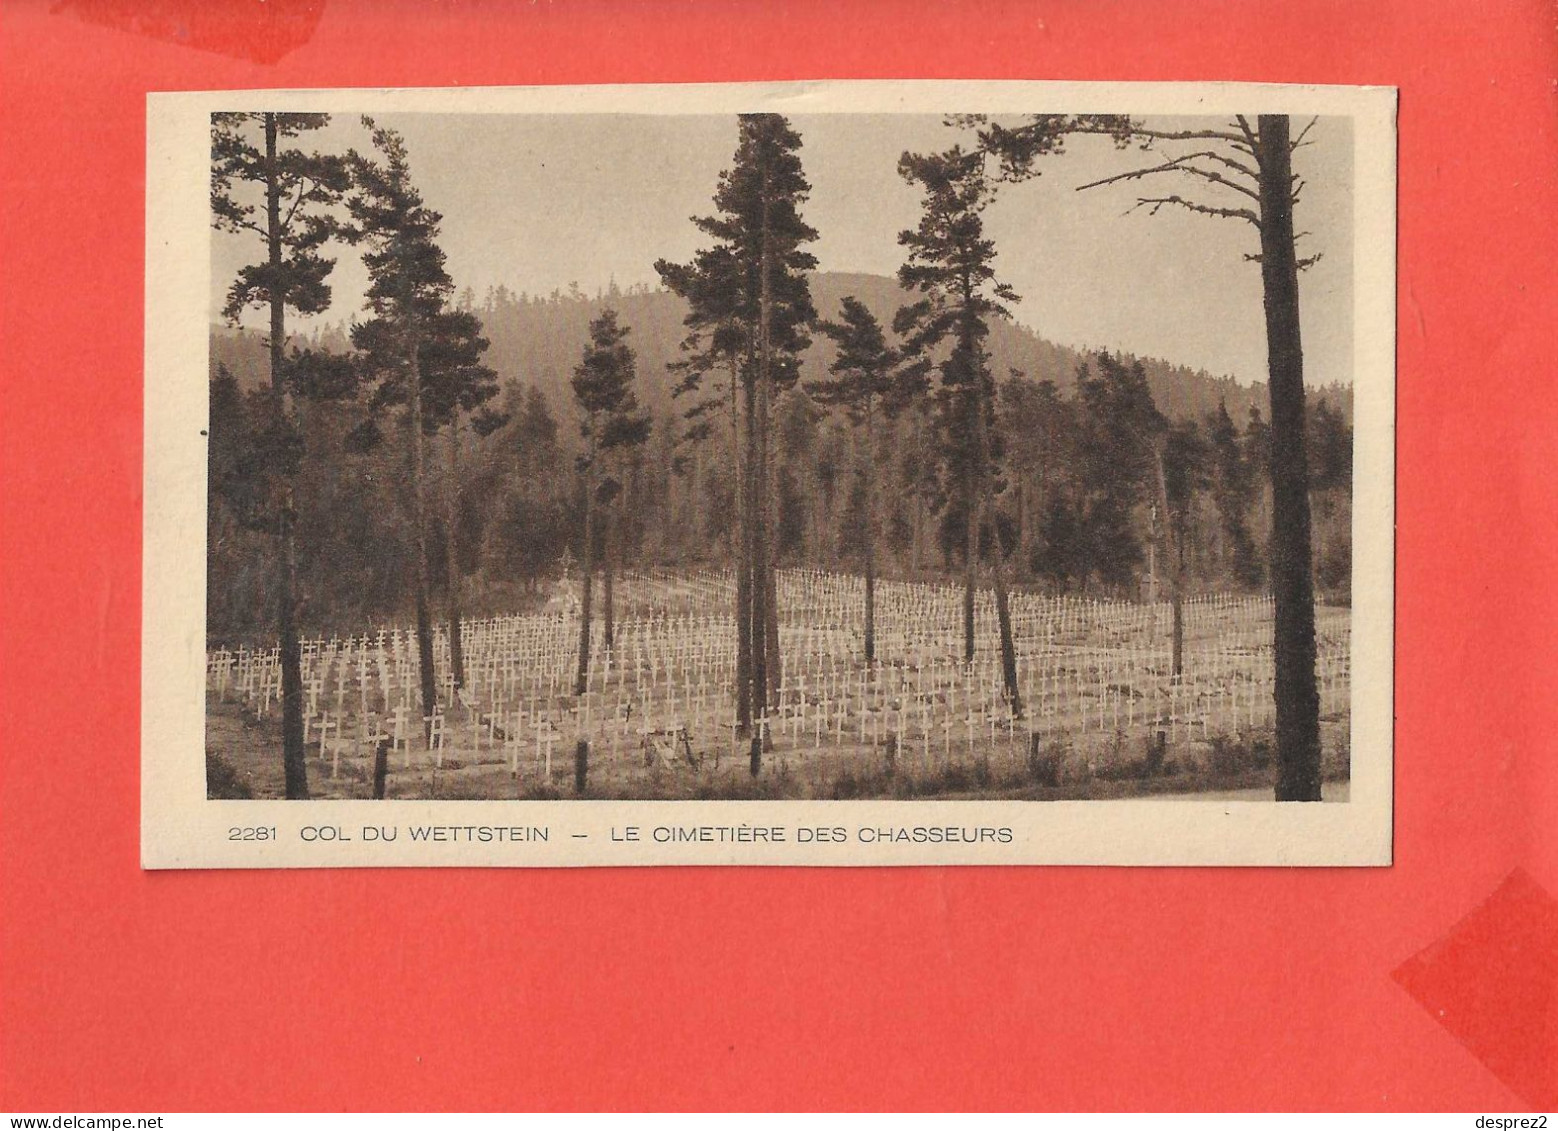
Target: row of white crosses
(1086,667)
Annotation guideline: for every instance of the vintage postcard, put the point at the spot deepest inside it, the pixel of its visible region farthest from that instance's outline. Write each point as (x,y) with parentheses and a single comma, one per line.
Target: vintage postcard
(843,473)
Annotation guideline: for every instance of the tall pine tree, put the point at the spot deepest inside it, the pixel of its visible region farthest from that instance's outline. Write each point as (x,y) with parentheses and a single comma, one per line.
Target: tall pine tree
(754,284)
(865,382)
(457,389)
(408,290)
(949,263)
(250,156)
(609,422)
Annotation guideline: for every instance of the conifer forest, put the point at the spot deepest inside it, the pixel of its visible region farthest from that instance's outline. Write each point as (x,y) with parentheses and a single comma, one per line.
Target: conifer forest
(812,493)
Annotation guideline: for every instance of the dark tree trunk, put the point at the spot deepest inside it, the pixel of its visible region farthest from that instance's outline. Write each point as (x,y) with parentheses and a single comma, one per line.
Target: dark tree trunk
(380,768)
(608,579)
(419,523)
(970,565)
(773,663)
(608,626)
(1174,563)
(452,555)
(744,603)
(581,683)
(987,512)
(769,542)
(1003,618)
(738,531)
(293,757)
(969,346)
(764,616)
(870,533)
(1292,583)
(758,587)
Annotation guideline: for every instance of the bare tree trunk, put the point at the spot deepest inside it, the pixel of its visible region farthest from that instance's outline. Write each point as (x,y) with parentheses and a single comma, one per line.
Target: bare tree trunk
(987,511)
(1292,583)
(972,494)
(870,493)
(970,564)
(757,585)
(452,553)
(1003,616)
(917,547)
(760,577)
(762,580)
(581,683)
(293,757)
(773,670)
(738,531)
(429,678)
(744,605)
(1174,560)
(608,620)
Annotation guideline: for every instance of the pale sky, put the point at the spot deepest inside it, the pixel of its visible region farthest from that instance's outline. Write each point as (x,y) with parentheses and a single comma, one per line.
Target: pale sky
(536,202)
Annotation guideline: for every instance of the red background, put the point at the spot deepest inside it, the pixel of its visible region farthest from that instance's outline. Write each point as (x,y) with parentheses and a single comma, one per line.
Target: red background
(993,987)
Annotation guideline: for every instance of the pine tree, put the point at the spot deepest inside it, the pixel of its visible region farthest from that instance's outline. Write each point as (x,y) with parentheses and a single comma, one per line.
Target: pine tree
(949,262)
(1038,428)
(752,287)
(865,383)
(1233,491)
(294,224)
(1256,446)
(609,422)
(408,291)
(457,388)
(1181,462)
(530,531)
(719,341)
(1330,445)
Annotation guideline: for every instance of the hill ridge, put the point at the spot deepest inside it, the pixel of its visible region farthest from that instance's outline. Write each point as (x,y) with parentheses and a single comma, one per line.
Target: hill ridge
(536,340)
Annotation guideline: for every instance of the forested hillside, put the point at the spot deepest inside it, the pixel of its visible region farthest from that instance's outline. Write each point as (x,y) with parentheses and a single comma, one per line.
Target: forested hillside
(536,339)
(519,492)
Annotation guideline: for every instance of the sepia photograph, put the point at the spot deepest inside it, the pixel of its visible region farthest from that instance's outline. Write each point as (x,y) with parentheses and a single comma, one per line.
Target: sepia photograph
(657,557)
(833,454)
